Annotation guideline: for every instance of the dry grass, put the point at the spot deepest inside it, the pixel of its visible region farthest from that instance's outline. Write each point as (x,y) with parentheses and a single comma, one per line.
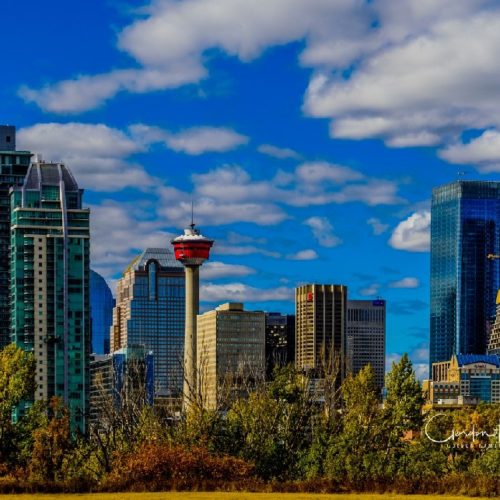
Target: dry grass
(223,496)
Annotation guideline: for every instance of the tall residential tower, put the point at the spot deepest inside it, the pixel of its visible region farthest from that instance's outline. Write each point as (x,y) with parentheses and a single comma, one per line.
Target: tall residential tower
(465,228)
(13,168)
(50,284)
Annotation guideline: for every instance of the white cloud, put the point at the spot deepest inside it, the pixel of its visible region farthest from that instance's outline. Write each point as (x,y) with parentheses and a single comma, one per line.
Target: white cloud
(280,153)
(192,141)
(413,233)
(408,282)
(303,255)
(320,171)
(323,231)
(372,289)
(214,270)
(95,153)
(377,226)
(484,151)
(239,292)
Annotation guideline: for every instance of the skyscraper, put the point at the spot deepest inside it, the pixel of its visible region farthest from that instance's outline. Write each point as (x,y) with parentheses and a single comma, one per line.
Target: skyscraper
(320,328)
(230,353)
(13,168)
(280,340)
(101,312)
(465,228)
(50,284)
(149,313)
(365,342)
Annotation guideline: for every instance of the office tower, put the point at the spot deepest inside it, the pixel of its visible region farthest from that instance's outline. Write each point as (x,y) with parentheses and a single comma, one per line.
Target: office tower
(230,353)
(320,329)
(124,378)
(465,218)
(101,312)
(149,313)
(280,340)
(365,341)
(50,284)
(494,340)
(191,249)
(13,168)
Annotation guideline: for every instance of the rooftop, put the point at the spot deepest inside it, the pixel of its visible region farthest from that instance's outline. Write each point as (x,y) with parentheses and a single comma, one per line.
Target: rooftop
(468,359)
(164,257)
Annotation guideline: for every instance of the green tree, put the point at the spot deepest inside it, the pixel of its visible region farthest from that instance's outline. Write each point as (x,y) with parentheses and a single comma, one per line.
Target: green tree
(17,370)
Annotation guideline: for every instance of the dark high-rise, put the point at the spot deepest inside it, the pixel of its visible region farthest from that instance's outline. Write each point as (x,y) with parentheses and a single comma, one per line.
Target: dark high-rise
(13,168)
(465,228)
(280,340)
(101,312)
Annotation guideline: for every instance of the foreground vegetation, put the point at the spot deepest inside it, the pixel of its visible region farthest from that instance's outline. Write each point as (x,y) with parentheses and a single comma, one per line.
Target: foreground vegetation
(281,438)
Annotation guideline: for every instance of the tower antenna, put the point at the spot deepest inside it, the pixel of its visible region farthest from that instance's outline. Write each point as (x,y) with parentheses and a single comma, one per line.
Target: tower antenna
(192,213)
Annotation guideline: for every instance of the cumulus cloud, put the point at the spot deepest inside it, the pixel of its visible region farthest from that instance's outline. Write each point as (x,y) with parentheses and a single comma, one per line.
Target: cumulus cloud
(370,290)
(304,255)
(214,270)
(280,153)
(240,292)
(192,141)
(483,151)
(96,153)
(377,226)
(413,233)
(408,282)
(323,231)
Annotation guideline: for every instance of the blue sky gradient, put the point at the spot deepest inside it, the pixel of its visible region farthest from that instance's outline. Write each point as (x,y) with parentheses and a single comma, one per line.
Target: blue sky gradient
(308,132)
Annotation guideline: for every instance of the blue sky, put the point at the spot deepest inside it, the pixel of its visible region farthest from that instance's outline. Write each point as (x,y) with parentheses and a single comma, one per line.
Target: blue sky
(308,132)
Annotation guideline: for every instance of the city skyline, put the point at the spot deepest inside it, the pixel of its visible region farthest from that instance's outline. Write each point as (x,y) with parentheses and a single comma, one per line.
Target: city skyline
(330,139)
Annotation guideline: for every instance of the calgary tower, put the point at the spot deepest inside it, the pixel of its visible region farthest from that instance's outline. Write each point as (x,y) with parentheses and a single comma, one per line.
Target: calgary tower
(192,249)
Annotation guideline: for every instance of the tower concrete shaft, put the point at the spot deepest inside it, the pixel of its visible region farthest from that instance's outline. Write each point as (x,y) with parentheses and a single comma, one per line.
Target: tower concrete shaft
(192,310)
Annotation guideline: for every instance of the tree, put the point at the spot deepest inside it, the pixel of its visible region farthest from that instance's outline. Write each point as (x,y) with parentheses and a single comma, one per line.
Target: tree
(17,369)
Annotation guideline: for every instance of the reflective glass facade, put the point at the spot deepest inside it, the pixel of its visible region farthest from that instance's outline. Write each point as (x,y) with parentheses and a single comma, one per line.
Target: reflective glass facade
(13,168)
(50,309)
(464,230)
(150,313)
(101,312)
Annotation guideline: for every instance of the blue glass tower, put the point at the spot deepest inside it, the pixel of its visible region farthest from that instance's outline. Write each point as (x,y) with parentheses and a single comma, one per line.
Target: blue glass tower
(465,228)
(101,312)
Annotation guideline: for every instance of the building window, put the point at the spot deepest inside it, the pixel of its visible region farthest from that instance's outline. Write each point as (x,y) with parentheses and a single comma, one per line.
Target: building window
(152,280)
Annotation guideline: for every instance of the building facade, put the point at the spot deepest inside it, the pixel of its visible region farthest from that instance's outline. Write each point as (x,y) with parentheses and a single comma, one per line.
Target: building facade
(149,313)
(101,313)
(50,308)
(321,313)
(494,340)
(13,169)
(230,353)
(466,379)
(123,378)
(280,340)
(465,228)
(366,333)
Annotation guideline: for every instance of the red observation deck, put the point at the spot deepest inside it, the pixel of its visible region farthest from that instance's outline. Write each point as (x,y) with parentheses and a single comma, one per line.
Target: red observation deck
(192,248)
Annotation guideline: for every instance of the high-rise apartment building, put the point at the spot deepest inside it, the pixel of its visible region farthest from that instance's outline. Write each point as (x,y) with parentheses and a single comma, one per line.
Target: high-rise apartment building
(280,340)
(149,313)
(230,353)
(101,312)
(320,328)
(13,168)
(365,341)
(465,228)
(50,305)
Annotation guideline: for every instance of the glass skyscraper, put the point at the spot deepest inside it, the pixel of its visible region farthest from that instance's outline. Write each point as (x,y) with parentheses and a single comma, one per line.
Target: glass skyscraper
(101,312)
(13,168)
(50,284)
(465,228)
(150,313)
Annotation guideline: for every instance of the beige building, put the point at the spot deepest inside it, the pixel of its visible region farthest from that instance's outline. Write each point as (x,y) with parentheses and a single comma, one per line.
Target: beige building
(320,328)
(230,353)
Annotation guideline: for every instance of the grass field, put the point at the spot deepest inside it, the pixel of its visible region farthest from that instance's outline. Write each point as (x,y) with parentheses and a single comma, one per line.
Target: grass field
(224,496)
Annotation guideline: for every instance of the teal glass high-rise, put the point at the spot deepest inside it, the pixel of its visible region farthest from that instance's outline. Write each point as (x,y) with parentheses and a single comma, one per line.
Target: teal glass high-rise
(13,168)
(465,228)
(50,309)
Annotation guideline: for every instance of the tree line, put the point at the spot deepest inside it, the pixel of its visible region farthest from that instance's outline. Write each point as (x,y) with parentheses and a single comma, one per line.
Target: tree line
(282,436)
